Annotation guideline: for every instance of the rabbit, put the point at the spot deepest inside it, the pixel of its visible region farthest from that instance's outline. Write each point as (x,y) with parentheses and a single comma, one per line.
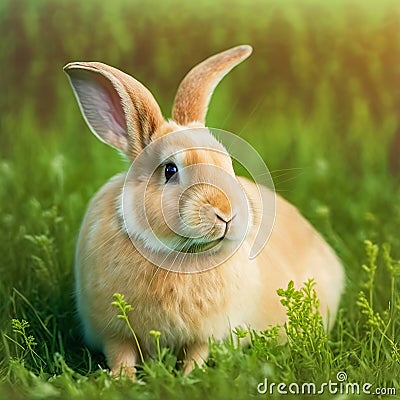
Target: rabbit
(127,217)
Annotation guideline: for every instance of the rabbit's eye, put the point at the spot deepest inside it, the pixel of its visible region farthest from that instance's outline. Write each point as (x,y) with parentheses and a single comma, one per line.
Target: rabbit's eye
(170,170)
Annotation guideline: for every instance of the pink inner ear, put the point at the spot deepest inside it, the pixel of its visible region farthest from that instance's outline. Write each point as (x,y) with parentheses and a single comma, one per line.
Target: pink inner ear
(101,106)
(116,111)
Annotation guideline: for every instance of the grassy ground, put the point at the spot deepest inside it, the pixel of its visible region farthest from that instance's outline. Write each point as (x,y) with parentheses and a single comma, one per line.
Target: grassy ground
(318,99)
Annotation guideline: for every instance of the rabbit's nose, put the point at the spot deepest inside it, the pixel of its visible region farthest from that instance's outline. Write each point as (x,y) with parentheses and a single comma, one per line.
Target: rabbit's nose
(213,215)
(226,220)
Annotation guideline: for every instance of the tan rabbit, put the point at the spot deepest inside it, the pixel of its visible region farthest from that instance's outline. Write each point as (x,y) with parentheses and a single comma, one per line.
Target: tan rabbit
(182,198)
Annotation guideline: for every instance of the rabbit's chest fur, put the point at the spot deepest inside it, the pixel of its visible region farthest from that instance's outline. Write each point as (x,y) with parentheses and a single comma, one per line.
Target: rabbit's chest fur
(187,308)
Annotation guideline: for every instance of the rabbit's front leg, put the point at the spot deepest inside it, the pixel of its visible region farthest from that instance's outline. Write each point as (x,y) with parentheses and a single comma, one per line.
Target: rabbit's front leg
(122,357)
(196,353)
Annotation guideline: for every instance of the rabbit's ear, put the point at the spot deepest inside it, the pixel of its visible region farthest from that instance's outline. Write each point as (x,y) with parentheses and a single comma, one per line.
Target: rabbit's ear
(194,92)
(118,109)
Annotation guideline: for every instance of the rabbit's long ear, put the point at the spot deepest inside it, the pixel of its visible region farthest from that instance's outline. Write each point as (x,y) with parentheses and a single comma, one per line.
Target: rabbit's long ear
(194,92)
(118,109)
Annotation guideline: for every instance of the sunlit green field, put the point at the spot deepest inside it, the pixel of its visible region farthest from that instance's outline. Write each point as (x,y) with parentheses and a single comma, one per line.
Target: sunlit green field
(320,101)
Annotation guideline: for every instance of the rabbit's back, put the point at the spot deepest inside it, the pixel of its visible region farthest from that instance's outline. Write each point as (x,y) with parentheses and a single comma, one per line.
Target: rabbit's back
(295,251)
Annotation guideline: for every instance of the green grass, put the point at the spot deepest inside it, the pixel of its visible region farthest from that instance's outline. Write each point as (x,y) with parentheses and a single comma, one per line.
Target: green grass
(318,100)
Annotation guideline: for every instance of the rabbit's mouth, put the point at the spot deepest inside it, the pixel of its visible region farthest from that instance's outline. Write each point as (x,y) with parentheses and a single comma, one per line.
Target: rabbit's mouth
(196,247)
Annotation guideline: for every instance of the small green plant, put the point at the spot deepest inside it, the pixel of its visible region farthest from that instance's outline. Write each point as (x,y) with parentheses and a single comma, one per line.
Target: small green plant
(266,338)
(156,335)
(164,363)
(381,325)
(240,333)
(305,331)
(124,308)
(25,341)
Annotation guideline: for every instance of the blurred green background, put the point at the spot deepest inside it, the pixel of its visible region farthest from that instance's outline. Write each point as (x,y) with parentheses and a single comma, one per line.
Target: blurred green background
(319,99)
(313,61)
(326,66)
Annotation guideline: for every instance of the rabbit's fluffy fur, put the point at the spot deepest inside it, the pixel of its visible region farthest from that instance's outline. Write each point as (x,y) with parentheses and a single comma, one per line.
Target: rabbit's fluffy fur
(187,308)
